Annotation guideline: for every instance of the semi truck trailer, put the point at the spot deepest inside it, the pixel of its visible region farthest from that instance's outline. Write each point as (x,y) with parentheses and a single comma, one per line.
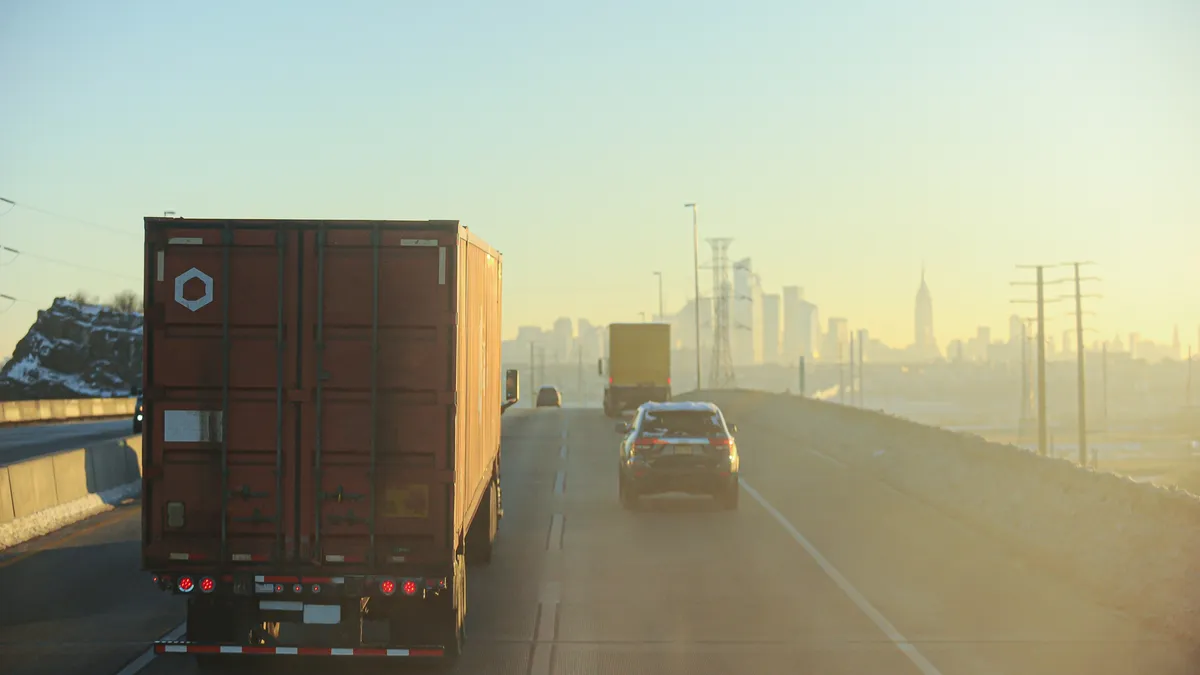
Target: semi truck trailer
(639,366)
(321,433)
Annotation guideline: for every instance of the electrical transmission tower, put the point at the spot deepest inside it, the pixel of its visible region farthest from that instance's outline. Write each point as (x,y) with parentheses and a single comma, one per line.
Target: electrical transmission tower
(722,376)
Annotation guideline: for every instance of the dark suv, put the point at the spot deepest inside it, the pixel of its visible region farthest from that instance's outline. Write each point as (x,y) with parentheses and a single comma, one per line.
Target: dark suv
(679,447)
(549,396)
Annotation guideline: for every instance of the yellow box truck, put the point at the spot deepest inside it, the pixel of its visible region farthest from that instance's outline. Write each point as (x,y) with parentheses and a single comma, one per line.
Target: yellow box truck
(639,366)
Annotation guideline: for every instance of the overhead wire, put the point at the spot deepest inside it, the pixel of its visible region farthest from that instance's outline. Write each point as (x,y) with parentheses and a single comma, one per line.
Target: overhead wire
(17,253)
(62,216)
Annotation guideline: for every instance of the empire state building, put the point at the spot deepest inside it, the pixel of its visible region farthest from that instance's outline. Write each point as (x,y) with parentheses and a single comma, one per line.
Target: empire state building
(924,343)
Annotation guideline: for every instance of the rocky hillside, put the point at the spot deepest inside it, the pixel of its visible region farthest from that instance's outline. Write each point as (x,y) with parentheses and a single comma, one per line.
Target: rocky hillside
(75,351)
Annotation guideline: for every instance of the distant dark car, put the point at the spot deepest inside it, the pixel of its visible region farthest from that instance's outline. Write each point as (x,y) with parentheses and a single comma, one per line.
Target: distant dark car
(679,447)
(549,396)
(137,415)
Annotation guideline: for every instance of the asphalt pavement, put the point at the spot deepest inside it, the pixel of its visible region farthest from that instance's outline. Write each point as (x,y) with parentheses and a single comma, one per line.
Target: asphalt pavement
(18,444)
(819,571)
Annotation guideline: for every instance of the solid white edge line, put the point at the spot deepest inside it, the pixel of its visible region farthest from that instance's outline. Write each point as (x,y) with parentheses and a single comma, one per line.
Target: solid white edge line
(140,663)
(864,605)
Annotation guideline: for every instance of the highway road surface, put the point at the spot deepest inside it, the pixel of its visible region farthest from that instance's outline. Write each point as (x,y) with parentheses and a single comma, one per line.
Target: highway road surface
(819,571)
(21,443)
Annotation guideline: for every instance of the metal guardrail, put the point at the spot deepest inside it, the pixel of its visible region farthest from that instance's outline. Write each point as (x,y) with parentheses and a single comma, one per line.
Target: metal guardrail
(17,413)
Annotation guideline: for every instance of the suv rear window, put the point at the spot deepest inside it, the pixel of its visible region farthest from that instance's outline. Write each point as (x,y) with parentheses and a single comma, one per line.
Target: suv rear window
(681,423)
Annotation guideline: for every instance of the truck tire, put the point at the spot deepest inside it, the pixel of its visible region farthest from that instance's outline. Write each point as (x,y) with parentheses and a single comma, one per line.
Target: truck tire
(455,617)
(481,537)
(209,621)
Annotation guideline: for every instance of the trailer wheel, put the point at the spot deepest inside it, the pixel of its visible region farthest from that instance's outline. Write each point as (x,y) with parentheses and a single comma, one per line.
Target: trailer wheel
(481,536)
(455,626)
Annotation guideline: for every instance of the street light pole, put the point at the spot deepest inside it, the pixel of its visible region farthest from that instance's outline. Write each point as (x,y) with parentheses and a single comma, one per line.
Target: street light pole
(660,296)
(696,268)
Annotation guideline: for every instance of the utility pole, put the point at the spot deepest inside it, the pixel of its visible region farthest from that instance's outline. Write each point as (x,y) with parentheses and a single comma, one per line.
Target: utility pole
(661,315)
(803,391)
(1079,359)
(696,268)
(1041,351)
(1041,367)
(579,353)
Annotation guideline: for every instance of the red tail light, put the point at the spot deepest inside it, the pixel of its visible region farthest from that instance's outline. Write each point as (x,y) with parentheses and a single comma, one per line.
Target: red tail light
(316,588)
(297,588)
(410,587)
(643,443)
(186,584)
(726,442)
(388,587)
(668,381)
(207,584)
(610,380)
(278,588)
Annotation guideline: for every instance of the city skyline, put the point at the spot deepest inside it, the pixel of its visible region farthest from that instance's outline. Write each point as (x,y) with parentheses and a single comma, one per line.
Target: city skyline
(800,335)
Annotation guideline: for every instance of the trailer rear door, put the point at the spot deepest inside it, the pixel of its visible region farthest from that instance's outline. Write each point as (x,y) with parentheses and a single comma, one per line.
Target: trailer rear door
(299,391)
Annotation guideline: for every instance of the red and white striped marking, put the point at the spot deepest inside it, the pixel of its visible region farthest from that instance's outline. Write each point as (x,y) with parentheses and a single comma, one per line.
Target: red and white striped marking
(177,648)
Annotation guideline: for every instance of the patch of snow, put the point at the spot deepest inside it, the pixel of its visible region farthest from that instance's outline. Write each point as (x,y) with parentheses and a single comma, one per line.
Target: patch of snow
(29,371)
(44,522)
(1135,543)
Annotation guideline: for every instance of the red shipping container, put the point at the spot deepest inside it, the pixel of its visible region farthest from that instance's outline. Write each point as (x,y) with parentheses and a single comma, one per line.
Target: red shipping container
(321,398)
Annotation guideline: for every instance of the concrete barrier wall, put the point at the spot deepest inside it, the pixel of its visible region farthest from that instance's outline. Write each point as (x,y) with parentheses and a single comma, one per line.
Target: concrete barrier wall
(45,482)
(13,413)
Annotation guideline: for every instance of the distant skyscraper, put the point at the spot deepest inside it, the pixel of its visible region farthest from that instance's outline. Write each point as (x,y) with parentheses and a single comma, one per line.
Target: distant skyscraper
(742,326)
(836,348)
(791,324)
(770,328)
(587,341)
(564,336)
(924,342)
(801,326)
(1016,331)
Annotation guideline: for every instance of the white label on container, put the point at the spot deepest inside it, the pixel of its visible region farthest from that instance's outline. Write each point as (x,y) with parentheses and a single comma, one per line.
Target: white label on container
(192,426)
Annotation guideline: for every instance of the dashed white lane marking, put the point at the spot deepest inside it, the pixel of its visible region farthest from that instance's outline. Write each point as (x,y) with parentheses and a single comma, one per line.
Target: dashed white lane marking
(140,663)
(546,632)
(562,452)
(554,540)
(907,648)
(560,482)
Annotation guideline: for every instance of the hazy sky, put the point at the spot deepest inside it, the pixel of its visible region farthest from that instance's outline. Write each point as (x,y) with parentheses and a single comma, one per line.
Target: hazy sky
(840,143)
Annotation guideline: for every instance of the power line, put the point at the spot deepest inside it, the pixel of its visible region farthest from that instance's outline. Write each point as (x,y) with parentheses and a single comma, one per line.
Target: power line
(72,219)
(66,263)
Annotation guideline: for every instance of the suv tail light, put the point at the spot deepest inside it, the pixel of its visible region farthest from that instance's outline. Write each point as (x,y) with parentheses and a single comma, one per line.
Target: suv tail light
(720,442)
(647,443)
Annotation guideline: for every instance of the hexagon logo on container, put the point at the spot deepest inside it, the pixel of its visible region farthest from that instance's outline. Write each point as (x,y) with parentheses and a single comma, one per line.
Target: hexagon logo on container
(181,282)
